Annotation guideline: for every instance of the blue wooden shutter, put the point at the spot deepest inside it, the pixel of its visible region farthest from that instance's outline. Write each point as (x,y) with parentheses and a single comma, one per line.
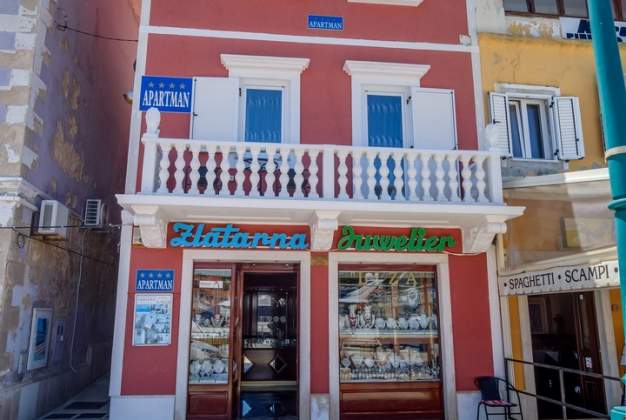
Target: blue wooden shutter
(263,115)
(384,121)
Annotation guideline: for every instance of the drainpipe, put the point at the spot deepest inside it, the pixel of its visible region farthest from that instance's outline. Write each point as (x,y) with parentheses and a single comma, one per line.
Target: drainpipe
(612,92)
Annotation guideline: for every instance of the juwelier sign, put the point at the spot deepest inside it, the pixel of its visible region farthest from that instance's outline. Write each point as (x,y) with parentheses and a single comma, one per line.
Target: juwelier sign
(416,241)
(187,235)
(577,28)
(574,277)
(167,94)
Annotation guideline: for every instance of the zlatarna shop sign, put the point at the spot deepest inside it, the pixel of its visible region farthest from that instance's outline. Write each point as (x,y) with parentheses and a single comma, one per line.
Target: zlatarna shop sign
(231,237)
(416,241)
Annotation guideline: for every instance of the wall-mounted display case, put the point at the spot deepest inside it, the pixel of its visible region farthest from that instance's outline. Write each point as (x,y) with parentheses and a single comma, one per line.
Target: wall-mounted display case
(388,337)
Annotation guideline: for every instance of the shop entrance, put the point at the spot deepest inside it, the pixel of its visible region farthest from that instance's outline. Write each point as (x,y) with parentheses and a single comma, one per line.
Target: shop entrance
(243,361)
(564,334)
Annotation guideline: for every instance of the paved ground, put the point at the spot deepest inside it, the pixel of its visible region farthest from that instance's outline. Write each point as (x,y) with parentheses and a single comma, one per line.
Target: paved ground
(91,403)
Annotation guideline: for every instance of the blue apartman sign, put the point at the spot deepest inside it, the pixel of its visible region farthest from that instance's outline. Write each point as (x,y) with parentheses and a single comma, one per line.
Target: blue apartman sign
(328,23)
(154,281)
(167,94)
(198,236)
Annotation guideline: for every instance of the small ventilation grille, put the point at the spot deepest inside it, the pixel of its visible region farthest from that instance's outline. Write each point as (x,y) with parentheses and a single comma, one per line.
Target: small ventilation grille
(94,212)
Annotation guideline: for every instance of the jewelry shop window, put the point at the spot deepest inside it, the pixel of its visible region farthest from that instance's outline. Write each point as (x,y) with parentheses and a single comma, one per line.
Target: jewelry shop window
(388,326)
(210,327)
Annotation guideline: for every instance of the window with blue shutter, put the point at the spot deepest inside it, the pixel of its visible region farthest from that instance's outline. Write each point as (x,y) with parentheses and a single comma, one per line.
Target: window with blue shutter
(263,115)
(384,129)
(384,121)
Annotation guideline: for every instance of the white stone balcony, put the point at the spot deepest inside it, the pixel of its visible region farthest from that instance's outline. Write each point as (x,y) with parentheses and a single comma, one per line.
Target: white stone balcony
(322,185)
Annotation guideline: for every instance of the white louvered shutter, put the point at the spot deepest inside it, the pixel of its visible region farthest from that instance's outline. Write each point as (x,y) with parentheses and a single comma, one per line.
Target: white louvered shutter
(215,110)
(434,118)
(569,133)
(498,104)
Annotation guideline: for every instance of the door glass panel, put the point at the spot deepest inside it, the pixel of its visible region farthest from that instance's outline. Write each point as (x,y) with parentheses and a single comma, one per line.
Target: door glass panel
(546,6)
(384,129)
(210,326)
(576,8)
(388,326)
(263,115)
(384,121)
(516,131)
(516,6)
(534,132)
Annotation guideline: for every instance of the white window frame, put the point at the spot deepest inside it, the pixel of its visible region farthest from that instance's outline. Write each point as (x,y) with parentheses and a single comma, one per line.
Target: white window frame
(381,90)
(386,78)
(413,3)
(274,85)
(267,71)
(518,92)
(547,131)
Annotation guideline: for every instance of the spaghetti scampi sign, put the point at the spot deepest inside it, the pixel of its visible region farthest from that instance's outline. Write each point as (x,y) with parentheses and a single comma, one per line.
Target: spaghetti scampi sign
(584,276)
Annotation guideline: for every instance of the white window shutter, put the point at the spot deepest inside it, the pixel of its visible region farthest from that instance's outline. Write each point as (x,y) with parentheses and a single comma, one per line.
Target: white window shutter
(434,118)
(569,132)
(499,106)
(215,113)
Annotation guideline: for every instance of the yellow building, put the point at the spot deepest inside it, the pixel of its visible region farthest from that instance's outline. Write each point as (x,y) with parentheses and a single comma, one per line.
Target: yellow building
(557,267)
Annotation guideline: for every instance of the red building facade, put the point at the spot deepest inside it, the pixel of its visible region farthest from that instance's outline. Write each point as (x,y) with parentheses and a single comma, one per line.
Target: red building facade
(322,208)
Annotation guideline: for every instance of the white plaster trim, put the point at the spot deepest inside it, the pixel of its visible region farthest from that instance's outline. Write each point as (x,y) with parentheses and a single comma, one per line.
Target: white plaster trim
(494,313)
(590,175)
(121,304)
(254,70)
(413,3)
(585,257)
(248,65)
(519,90)
(529,403)
(301,257)
(382,75)
(608,354)
(153,407)
(392,73)
(301,39)
(447,345)
(507,343)
(135,118)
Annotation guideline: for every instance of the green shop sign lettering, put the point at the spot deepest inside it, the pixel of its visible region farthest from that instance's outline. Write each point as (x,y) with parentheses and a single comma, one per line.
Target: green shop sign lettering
(416,241)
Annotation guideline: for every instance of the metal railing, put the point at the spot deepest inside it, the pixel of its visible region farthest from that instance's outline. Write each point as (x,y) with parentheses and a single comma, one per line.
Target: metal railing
(561,371)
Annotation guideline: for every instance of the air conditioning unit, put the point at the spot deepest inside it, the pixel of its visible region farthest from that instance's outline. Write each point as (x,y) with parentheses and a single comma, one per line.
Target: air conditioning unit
(95,213)
(53,219)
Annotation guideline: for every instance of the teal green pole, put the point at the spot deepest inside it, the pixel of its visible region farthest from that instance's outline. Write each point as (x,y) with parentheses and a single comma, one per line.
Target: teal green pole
(612,91)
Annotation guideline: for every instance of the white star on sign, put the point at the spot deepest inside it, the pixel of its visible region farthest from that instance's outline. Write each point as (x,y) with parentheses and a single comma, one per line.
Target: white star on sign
(159,275)
(151,275)
(182,86)
(151,84)
(161,85)
(142,274)
(172,85)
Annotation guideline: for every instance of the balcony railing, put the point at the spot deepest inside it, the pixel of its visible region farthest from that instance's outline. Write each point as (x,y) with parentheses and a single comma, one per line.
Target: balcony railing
(313,172)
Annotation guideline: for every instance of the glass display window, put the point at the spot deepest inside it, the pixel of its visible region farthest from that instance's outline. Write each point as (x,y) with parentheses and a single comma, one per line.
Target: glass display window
(210,326)
(388,326)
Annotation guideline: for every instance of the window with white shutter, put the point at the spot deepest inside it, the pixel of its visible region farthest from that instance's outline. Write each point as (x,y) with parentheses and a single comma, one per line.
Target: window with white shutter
(569,134)
(215,110)
(537,126)
(434,118)
(500,117)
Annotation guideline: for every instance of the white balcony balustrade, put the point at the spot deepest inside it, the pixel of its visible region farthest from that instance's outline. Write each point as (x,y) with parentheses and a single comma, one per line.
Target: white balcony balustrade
(319,172)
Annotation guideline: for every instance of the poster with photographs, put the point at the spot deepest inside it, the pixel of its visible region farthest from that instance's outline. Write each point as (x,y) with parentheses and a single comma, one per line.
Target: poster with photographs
(152,325)
(39,345)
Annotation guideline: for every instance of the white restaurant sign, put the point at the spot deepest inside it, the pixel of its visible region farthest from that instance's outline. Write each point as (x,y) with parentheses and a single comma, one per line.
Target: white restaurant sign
(579,28)
(563,278)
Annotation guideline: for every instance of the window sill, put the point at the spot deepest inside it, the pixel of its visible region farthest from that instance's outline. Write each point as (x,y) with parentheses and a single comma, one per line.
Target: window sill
(413,3)
(526,160)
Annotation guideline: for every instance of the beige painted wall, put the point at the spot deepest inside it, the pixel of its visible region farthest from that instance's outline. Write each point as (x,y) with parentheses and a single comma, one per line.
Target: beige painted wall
(566,64)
